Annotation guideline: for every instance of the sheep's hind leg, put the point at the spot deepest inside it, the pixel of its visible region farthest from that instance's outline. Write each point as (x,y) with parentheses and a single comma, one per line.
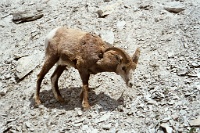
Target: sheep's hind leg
(54,82)
(48,64)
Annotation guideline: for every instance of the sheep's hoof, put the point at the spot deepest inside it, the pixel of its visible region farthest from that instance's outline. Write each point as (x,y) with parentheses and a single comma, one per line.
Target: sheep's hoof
(37,101)
(86,106)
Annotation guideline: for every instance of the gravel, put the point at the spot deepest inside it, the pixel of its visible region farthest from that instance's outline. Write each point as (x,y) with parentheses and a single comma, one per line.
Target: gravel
(166,92)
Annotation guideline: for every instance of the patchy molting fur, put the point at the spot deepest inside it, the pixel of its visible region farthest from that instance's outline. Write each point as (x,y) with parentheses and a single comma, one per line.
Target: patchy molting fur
(88,54)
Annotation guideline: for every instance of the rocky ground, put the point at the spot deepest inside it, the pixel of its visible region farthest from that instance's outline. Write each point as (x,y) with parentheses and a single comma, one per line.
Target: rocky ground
(166,92)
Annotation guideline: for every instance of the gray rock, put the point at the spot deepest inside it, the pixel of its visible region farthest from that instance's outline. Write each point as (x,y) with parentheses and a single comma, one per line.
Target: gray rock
(182,71)
(120,108)
(20,17)
(174,7)
(146,5)
(7,76)
(103,118)
(6,20)
(166,119)
(195,122)
(26,64)
(106,10)
(183,112)
(121,24)
(18,56)
(79,120)
(93,130)
(10,120)
(170,54)
(28,124)
(85,127)
(150,100)
(194,64)
(3,91)
(108,36)
(77,124)
(167,127)
(197,86)
(192,73)
(106,126)
(79,111)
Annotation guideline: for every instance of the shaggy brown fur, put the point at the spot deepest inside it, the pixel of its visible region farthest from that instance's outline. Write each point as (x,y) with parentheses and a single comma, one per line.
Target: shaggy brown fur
(88,54)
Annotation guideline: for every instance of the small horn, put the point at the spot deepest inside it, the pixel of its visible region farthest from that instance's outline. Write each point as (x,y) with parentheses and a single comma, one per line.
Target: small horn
(136,55)
(126,57)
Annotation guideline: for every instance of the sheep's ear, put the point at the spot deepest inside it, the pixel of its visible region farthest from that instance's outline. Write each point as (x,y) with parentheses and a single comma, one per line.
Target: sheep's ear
(136,56)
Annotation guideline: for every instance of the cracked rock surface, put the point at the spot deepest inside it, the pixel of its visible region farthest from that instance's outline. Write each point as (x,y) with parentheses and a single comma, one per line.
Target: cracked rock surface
(166,92)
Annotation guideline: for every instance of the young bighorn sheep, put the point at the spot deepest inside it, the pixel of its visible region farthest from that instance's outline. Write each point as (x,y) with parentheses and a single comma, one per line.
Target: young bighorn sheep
(88,54)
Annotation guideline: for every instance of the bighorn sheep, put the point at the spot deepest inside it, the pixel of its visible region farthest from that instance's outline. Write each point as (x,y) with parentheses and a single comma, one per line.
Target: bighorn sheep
(88,54)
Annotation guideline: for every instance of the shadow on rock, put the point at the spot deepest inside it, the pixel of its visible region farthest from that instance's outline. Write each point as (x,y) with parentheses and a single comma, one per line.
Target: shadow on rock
(72,100)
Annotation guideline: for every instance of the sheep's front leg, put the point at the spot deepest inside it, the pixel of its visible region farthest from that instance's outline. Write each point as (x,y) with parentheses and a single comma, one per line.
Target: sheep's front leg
(84,94)
(85,103)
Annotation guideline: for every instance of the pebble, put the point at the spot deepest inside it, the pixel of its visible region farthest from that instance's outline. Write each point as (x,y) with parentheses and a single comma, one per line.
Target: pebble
(195,122)
(175,116)
(150,100)
(10,120)
(174,7)
(80,120)
(194,64)
(167,127)
(84,127)
(106,10)
(32,129)
(28,124)
(170,54)
(103,118)
(166,119)
(183,112)
(121,24)
(79,111)
(46,116)
(106,126)
(3,91)
(7,76)
(33,113)
(198,74)
(182,71)
(94,130)
(1,85)
(77,124)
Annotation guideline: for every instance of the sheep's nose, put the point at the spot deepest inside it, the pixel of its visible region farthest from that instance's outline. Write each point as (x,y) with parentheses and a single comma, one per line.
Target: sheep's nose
(130,84)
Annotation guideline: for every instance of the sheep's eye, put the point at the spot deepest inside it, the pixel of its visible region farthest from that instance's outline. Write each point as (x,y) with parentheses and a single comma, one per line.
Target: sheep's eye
(124,68)
(100,55)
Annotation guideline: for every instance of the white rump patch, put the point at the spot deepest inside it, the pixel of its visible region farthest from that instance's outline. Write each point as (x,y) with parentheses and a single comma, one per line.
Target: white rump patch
(50,36)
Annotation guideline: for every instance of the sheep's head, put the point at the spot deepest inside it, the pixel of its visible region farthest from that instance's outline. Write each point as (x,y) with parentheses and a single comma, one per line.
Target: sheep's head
(126,65)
